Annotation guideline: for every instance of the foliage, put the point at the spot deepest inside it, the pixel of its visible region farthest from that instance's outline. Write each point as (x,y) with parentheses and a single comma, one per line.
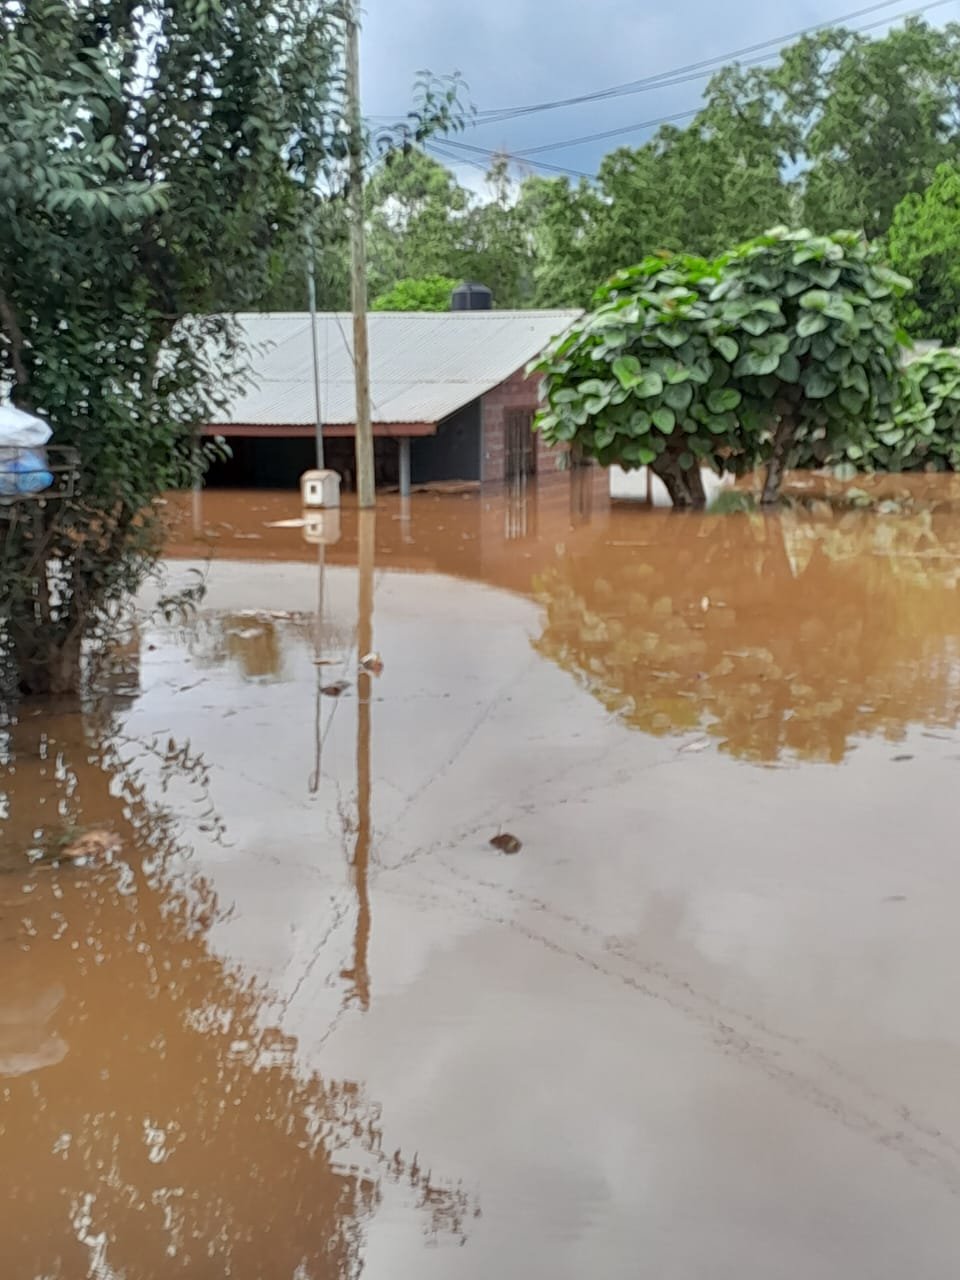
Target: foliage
(429,294)
(924,243)
(923,432)
(834,135)
(871,119)
(813,345)
(643,379)
(416,207)
(777,353)
(152,157)
(423,223)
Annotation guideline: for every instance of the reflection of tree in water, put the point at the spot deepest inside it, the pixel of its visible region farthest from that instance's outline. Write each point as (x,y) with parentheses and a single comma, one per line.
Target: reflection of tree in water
(150,1125)
(778,635)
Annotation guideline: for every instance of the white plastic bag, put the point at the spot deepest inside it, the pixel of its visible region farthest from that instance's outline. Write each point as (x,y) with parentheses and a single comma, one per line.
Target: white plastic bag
(19,430)
(23,459)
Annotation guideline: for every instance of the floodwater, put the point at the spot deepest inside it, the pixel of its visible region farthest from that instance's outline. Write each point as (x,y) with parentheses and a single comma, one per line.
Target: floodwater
(294,1018)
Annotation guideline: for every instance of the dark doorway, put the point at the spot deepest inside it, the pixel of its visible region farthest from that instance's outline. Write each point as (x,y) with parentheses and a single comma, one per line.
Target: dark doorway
(453,453)
(520,444)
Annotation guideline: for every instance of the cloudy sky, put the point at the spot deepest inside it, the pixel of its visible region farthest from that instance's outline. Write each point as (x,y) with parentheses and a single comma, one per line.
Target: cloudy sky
(514,52)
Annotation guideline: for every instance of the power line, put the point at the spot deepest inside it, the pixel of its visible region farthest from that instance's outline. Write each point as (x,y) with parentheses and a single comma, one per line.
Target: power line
(491,153)
(492,115)
(527,152)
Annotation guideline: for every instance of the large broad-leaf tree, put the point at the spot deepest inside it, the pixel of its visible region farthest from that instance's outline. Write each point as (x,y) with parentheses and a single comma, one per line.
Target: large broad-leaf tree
(644,378)
(152,157)
(813,322)
(780,354)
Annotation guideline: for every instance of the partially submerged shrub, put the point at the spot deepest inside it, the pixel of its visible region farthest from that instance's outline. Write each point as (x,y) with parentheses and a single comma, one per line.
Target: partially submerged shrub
(817,355)
(777,354)
(923,431)
(643,380)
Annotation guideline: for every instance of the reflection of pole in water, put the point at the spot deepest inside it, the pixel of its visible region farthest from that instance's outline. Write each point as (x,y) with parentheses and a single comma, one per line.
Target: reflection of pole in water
(196,503)
(317,656)
(405,533)
(359,975)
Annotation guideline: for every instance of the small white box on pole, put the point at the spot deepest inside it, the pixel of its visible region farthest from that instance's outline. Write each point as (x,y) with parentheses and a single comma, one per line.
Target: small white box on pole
(320,489)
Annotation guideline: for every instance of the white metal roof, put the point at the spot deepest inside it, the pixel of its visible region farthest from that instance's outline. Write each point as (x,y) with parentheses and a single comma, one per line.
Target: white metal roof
(423,365)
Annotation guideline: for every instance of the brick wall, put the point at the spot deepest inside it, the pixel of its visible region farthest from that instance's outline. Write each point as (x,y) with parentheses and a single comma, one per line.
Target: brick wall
(518,392)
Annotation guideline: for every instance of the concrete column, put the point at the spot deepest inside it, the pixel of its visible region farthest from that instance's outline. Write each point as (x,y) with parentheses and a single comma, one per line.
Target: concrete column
(404,444)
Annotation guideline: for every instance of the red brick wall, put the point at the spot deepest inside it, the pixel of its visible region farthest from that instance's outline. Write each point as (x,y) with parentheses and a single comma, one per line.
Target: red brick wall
(518,392)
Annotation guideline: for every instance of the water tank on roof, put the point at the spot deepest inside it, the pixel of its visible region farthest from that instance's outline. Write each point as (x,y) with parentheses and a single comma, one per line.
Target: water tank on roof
(471,297)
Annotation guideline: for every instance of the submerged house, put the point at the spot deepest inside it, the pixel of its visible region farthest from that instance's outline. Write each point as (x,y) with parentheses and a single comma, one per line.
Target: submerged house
(448,390)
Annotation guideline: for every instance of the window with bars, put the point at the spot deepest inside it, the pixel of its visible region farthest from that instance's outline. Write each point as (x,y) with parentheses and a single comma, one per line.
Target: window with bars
(520,445)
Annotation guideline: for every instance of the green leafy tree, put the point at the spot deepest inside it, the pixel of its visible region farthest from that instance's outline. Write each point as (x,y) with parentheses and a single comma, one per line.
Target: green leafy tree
(560,220)
(416,209)
(151,158)
(643,379)
(871,119)
(834,135)
(430,294)
(924,244)
(424,224)
(779,353)
(812,338)
(323,240)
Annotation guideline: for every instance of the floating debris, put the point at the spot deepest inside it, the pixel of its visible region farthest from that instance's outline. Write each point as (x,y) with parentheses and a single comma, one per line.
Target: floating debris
(506,843)
(372,664)
(92,846)
(336,689)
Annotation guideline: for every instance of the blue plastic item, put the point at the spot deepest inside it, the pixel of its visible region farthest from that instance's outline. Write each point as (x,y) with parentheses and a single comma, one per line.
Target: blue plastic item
(23,473)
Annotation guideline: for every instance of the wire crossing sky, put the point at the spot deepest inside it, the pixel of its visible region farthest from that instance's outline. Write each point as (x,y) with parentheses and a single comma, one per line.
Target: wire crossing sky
(557,83)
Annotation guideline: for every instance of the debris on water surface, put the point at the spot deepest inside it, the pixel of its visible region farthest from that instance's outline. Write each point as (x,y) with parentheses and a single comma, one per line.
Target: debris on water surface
(91,846)
(336,689)
(372,663)
(506,842)
(699,744)
(899,759)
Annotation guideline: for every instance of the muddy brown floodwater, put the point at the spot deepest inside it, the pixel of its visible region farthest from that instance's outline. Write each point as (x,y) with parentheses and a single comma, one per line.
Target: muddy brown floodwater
(295,1017)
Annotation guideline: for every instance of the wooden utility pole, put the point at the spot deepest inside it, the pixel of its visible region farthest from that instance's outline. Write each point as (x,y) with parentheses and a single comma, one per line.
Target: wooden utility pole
(366,494)
(312,303)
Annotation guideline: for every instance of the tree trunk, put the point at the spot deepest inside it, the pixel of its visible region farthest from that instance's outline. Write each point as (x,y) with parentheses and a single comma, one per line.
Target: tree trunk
(684,487)
(777,465)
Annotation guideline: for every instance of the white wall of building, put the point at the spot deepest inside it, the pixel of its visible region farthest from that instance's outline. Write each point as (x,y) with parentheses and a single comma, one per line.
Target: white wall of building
(633,485)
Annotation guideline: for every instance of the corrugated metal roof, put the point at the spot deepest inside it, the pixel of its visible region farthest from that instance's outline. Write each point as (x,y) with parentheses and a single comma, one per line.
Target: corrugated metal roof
(423,365)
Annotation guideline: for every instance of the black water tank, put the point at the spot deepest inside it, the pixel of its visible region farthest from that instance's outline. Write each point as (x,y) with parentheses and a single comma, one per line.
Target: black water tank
(471,297)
